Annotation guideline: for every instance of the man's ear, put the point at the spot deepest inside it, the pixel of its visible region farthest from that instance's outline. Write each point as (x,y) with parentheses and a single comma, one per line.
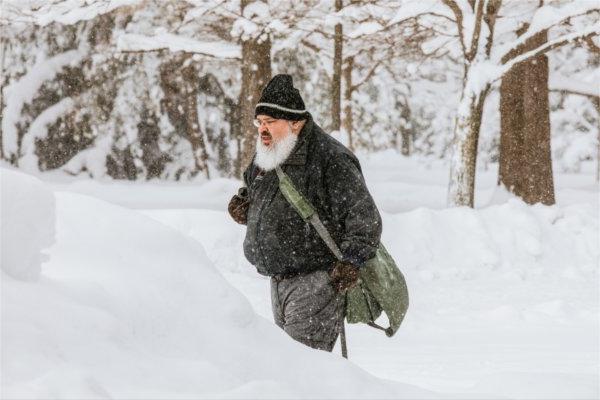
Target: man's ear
(297,126)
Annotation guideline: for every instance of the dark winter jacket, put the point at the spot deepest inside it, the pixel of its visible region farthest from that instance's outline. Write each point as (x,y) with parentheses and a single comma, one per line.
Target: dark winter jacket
(278,241)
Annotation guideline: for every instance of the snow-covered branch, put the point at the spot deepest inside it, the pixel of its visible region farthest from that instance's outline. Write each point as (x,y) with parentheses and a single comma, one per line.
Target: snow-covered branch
(458,14)
(63,11)
(491,16)
(545,18)
(478,25)
(176,43)
(560,83)
(367,76)
(39,129)
(550,45)
(23,91)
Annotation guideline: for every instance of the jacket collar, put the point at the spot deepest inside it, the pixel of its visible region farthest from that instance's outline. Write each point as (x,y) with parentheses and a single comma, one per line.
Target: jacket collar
(300,151)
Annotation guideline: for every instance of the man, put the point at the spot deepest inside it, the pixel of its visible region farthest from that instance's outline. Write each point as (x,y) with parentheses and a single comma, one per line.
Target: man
(307,281)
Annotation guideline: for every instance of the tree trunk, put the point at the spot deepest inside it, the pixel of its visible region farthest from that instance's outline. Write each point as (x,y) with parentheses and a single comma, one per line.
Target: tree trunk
(348,101)
(405,130)
(461,189)
(3,45)
(194,134)
(256,73)
(525,153)
(180,86)
(596,101)
(336,84)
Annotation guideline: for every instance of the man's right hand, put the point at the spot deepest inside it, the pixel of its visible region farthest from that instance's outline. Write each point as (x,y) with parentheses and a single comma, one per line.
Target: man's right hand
(238,206)
(344,276)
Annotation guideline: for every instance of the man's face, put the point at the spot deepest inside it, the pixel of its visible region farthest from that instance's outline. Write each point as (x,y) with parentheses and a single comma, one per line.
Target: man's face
(272,130)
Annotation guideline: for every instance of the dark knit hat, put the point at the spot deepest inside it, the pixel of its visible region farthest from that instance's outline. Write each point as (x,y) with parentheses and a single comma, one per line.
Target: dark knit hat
(281,100)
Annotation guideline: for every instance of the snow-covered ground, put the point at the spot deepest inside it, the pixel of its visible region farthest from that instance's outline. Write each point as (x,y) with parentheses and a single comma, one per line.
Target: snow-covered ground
(132,302)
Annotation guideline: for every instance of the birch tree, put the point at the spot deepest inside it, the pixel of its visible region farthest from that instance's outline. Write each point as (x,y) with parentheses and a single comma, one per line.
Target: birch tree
(486,60)
(488,49)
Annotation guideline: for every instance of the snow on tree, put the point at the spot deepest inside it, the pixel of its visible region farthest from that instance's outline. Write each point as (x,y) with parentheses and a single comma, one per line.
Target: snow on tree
(120,124)
(488,49)
(166,89)
(575,101)
(23,91)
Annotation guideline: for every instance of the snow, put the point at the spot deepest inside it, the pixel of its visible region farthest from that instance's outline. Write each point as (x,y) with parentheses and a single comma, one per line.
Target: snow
(127,307)
(546,17)
(469,21)
(366,28)
(27,220)
(163,40)
(39,130)
(93,159)
(412,8)
(256,9)
(65,11)
(137,300)
(26,88)
(567,38)
(549,15)
(573,151)
(560,82)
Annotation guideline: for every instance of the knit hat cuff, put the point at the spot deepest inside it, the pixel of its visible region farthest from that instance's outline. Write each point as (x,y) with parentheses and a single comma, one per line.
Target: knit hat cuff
(280,112)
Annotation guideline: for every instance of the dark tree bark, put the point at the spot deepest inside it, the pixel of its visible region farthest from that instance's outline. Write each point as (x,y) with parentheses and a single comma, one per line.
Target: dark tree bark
(180,86)
(336,84)
(525,153)
(596,102)
(406,131)
(348,121)
(194,133)
(256,73)
(3,79)
(153,157)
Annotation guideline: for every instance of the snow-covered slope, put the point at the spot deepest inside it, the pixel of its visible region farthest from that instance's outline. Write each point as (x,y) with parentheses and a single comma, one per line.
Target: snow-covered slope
(504,298)
(27,224)
(127,307)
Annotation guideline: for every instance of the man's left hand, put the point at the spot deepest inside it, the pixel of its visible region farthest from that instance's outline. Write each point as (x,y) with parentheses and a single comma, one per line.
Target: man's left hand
(238,206)
(344,276)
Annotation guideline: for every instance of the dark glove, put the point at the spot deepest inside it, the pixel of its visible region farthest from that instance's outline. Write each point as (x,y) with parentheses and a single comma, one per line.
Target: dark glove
(238,206)
(344,276)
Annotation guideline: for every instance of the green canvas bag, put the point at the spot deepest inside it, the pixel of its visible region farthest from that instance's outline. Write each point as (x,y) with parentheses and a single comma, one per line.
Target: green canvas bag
(381,286)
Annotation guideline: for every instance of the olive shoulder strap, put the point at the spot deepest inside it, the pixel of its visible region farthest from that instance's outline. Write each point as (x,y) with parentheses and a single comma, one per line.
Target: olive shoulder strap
(305,210)
(309,214)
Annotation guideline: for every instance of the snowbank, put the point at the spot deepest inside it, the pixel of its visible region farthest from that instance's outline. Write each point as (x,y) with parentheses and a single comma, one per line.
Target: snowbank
(504,298)
(129,308)
(510,238)
(27,220)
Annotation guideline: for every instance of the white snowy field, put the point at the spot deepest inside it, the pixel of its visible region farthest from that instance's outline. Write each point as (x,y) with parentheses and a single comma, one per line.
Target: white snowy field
(146,294)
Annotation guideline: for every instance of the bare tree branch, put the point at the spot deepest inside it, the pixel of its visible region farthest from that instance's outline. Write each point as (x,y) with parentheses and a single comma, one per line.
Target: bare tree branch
(490,19)
(368,76)
(459,22)
(515,48)
(166,49)
(546,47)
(575,92)
(592,46)
(477,30)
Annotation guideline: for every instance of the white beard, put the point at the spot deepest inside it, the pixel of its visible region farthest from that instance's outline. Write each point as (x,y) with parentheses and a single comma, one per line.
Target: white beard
(269,157)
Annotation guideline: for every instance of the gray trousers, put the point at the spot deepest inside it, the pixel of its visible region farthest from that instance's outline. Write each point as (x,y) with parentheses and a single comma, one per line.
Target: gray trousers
(308,308)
